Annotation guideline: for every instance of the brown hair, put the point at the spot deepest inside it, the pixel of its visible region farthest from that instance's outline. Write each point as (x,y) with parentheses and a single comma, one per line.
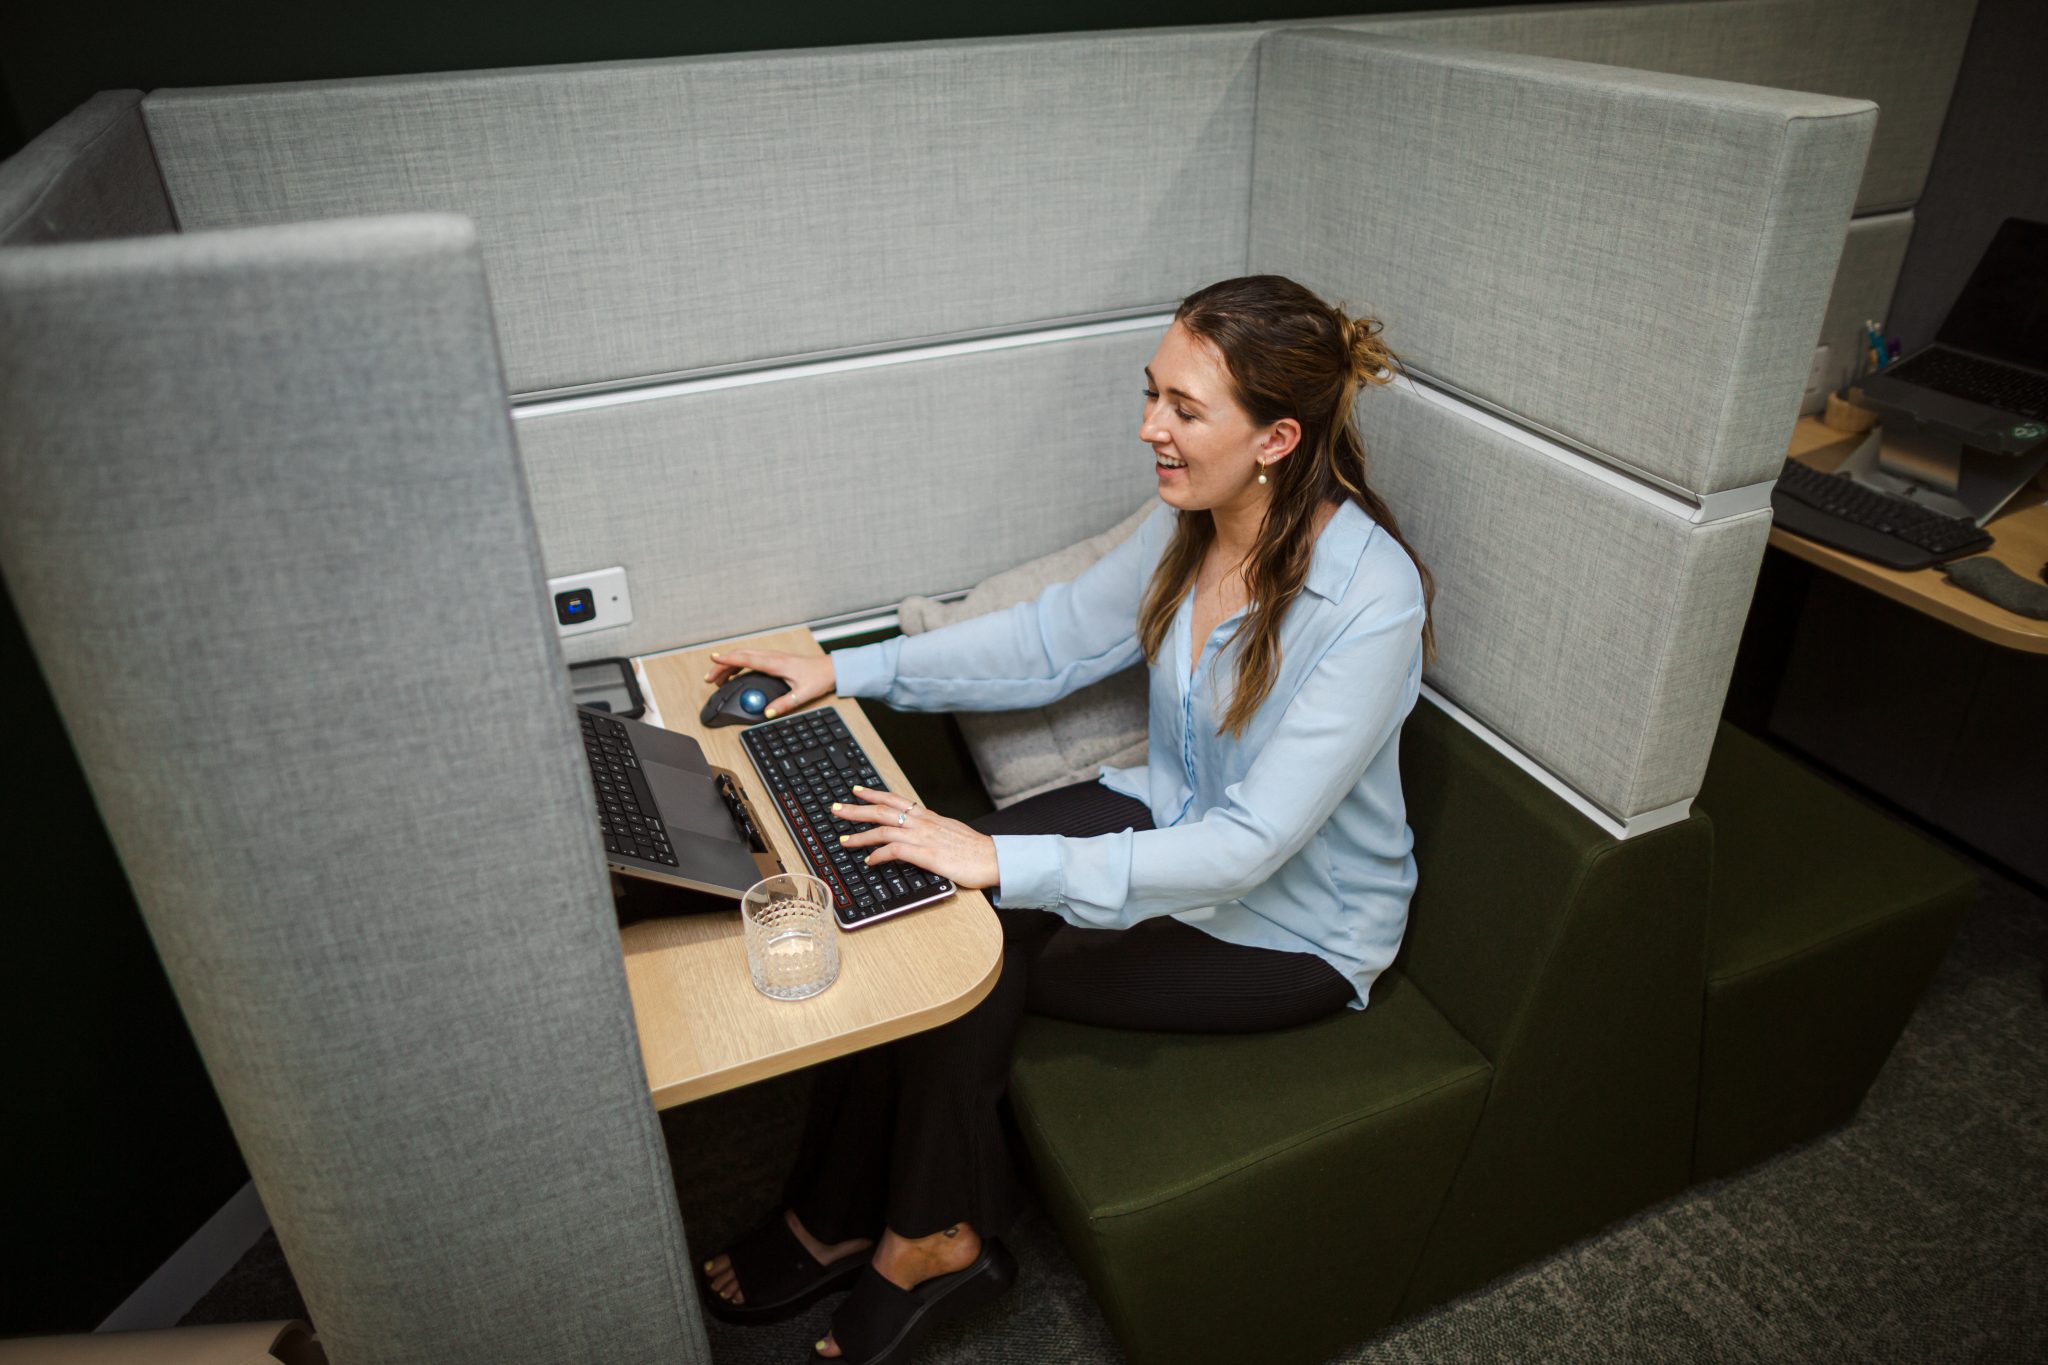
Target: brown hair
(1290,355)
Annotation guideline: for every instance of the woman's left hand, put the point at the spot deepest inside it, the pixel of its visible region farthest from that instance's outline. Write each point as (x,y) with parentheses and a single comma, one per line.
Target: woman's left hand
(903,830)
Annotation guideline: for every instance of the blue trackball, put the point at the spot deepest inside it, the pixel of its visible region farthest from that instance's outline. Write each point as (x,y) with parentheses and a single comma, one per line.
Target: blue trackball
(753,701)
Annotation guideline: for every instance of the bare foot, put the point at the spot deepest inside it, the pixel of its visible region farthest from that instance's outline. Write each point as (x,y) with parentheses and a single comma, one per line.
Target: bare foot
(719,1274)
(908,1264)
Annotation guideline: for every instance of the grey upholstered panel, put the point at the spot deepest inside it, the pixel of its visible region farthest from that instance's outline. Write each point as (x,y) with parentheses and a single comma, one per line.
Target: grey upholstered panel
(1591,628)
(1636,262)
(742,508)
(89,175)
(263,516)
(1901,54)
(1871,259)
(647,217)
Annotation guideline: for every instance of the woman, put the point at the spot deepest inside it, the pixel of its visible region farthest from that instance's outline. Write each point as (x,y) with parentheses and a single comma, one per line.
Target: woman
(1254,875)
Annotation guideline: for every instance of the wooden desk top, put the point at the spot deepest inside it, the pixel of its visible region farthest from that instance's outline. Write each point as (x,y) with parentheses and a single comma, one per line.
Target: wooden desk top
(2019,540)
(703,1026)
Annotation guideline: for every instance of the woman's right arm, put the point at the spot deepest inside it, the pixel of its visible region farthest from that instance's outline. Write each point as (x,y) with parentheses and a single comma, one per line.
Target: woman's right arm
(1036,652)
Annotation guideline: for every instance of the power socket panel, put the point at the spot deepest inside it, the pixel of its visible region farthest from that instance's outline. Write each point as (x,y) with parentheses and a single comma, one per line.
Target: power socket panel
(583,602)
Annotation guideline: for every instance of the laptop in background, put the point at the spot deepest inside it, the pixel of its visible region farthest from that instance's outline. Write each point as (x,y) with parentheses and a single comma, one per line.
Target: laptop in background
(668,816)
(1984,381)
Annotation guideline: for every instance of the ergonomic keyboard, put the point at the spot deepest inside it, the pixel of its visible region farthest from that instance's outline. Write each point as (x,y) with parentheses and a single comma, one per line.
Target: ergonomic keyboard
(1895,532)
(809,760)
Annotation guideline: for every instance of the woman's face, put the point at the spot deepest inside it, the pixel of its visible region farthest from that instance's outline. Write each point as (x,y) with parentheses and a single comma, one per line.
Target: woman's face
(1206,450)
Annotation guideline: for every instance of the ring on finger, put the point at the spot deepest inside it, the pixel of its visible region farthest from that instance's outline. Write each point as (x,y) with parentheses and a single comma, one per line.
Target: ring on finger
(903,817)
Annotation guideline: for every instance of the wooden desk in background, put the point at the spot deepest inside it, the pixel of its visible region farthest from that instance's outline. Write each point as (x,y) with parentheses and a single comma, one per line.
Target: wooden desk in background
(703,1026)
(2019,540)
(1922,694)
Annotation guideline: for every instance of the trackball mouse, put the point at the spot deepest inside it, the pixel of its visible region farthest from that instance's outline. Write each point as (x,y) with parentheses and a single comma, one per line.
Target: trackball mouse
(743,699)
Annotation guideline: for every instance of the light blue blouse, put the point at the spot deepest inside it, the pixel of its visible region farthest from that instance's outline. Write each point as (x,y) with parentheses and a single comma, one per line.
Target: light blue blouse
(1294,837)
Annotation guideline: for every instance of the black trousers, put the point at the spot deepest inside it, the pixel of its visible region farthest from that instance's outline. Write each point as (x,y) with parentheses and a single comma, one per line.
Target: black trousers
(909,1136)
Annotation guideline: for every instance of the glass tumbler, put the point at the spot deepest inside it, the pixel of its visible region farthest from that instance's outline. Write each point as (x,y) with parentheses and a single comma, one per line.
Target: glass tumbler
(792,941)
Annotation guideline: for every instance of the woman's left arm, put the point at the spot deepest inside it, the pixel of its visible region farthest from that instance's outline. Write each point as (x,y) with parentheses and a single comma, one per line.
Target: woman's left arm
(1345,712)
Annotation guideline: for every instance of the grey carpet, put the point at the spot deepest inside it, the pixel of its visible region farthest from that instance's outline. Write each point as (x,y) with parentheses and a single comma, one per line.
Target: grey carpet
(1916,1232)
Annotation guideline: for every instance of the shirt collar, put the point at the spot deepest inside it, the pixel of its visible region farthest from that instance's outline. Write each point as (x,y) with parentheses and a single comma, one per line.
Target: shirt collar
(1338,549)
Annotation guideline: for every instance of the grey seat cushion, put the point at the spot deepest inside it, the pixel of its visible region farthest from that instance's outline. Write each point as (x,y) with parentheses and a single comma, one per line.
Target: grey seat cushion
(1023,753)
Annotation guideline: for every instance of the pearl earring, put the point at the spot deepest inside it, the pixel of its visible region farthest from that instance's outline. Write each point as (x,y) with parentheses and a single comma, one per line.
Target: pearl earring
(1262,472)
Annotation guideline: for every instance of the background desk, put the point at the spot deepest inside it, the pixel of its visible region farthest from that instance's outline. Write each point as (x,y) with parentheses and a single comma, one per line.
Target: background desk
(1918,692)
(703,1026)
(2019,541)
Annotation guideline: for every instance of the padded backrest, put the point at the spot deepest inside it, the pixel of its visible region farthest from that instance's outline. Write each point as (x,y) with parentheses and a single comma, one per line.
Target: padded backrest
(262,514)
(88,176)
(829,493)
(641,218)
(1636,263)
(1902,54)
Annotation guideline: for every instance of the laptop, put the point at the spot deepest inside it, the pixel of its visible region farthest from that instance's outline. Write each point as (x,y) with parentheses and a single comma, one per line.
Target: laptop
(1984,381)
(669,816)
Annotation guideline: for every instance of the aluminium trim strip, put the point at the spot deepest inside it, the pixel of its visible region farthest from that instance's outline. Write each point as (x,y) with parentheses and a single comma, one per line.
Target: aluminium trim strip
(195,1267)
(741,376)
(1665,496)
(1620,827)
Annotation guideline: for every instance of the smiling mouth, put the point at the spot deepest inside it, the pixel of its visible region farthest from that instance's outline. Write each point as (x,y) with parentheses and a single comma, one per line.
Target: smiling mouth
(1166,462)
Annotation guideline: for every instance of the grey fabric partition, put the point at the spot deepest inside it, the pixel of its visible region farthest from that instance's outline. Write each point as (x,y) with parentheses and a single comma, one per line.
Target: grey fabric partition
(1636,262)
(830,493)
(640,218)
(1863,288)
(1592,628)
(89,176)
(263,516)
(1903,54)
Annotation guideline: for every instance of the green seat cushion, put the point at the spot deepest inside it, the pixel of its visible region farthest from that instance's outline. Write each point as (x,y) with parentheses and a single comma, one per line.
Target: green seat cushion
(1573,961)
(1249,1197)
(1828,921)
(1799,864)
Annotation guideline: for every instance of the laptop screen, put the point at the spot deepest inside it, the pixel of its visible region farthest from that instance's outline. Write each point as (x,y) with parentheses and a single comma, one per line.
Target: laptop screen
(2003,310)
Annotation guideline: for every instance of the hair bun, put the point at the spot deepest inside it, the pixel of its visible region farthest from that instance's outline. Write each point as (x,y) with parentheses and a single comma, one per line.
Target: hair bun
(1372,361)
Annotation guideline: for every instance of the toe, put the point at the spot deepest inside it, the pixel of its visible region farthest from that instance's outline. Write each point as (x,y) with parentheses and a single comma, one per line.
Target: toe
(828,1348)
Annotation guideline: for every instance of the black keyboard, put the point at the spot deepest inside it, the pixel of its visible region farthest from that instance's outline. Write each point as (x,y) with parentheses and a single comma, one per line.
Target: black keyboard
(1895,532)
(625,807)
(809,760)
(1980,381)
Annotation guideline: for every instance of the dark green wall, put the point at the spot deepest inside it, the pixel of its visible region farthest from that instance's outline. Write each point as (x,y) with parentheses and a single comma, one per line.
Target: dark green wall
(57,54)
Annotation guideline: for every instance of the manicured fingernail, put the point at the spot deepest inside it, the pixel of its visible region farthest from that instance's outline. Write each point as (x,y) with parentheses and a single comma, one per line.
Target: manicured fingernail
(820,1347)
(869,860)
(835,805)
(770,713)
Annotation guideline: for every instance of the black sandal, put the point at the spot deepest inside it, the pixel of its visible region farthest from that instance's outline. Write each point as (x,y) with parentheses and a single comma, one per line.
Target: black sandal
(778,1276)
(882,1322)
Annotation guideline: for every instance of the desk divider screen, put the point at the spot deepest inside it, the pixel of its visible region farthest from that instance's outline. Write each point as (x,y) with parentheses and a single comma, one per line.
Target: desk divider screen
(263,517)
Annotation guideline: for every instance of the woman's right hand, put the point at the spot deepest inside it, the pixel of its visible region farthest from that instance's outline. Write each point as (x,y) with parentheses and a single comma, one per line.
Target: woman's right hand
(810,676)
